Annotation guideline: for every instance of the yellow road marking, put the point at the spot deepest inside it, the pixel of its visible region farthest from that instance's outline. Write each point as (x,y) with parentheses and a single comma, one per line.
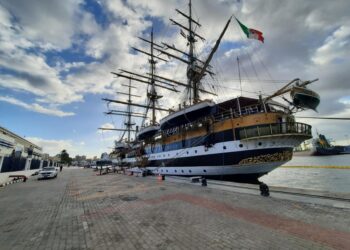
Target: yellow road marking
(332,167)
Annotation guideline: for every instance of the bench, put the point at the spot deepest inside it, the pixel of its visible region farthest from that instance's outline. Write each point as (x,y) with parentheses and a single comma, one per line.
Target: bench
(16,177)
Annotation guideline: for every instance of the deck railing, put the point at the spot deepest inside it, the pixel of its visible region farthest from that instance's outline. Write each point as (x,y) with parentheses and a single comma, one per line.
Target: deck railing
(275,129)
(234,113)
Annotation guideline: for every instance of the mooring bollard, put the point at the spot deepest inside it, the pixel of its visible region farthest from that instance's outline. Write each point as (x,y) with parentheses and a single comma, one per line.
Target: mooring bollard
(264,190)
(161,177)
(204,182)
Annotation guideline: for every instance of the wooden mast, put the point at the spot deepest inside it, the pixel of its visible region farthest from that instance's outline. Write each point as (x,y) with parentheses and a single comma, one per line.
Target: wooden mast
(191,66)
(129,124)
(194,72)
(128,113)
(153,94)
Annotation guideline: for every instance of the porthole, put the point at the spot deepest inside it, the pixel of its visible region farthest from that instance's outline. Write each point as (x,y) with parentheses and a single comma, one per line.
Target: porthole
(175,171)
(190,171)
(167,170)
(162,170)
(195,151)
(224,147)
(204,170)
(259,143)
(241,145)
(187,152)
(182,171)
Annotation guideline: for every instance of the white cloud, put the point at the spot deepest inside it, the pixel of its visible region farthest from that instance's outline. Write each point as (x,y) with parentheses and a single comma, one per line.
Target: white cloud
(336,46)
(29,71)
(106,125)
(52,24)
(55,146)
(34,107)
(305,39)
(52,147)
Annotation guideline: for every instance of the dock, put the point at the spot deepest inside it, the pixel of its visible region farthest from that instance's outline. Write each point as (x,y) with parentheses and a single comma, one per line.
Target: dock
(81,210)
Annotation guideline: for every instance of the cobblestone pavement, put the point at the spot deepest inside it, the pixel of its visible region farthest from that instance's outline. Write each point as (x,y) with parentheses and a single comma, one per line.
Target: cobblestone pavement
(80,210)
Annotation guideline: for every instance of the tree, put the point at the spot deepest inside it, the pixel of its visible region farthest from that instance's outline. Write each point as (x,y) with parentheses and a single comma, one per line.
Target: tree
(65,159)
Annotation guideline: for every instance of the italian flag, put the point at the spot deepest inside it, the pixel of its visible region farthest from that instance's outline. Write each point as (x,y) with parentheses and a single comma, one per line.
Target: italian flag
(251,33)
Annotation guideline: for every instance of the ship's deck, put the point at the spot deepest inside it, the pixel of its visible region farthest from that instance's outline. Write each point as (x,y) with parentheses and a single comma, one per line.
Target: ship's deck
(80,210)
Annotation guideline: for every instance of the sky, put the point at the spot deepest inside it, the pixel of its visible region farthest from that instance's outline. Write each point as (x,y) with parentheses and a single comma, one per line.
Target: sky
(56,58)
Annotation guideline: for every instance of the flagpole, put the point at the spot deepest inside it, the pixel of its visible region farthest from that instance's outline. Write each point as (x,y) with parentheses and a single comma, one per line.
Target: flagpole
(239,75)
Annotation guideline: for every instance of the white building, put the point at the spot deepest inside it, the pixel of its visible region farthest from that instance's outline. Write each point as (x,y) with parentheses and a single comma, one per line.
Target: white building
(17,153)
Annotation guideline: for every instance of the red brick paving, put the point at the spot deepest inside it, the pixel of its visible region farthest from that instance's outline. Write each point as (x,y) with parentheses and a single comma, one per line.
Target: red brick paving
(333,238)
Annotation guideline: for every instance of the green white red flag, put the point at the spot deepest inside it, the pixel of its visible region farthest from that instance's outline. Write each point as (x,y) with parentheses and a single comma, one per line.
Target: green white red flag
(251,33)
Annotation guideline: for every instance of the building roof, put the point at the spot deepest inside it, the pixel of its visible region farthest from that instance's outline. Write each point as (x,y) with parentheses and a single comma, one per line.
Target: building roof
(19,139)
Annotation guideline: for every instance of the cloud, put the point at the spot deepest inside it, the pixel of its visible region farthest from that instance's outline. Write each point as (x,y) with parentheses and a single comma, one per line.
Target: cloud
(106,125)
(31,73)
(24,67)
(52,147)
(55,146)
(306,40)
(53,24)
(34,107)
(336,47)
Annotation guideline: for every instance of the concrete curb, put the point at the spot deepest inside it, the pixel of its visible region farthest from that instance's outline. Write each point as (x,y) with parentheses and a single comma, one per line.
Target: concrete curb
(10,182)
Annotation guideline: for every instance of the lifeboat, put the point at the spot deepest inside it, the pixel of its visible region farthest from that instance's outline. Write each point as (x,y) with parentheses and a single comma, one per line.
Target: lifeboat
(147,132)
(304,98)
(187,115)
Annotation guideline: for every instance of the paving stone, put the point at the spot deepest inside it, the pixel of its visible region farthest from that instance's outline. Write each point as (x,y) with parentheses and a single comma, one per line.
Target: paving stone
(80,210)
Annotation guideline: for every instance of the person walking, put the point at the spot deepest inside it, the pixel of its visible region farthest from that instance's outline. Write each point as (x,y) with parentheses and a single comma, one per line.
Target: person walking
(61,168)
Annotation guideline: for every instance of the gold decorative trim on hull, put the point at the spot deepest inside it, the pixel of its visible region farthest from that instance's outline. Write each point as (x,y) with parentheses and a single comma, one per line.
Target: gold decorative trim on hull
(283,156)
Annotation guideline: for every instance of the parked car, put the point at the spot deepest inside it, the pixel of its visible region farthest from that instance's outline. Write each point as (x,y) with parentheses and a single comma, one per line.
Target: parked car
(49,172)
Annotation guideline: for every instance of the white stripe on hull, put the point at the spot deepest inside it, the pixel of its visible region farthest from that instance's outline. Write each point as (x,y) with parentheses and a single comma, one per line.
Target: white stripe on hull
(213,170)
(223,147)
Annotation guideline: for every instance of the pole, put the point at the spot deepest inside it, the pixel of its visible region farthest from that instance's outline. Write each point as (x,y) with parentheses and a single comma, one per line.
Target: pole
(153,91)
(129,111)
(239,107)
(239,75)
(194,97)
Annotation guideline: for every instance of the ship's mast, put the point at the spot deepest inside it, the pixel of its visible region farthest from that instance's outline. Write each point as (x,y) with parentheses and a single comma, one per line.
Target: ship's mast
(129,124)
(191,41)
(239,75)
(152,94)
(196,68)
(128,113)
(150,79)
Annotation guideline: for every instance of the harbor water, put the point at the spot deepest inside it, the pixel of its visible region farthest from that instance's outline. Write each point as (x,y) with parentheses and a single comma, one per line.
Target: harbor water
(330,178)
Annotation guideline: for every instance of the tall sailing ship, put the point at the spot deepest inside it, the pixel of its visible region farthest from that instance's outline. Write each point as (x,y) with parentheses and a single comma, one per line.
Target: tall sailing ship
(241,138)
